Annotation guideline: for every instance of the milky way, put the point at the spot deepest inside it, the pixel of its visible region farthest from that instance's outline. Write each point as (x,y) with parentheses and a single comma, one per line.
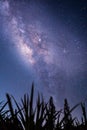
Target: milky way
(56,55)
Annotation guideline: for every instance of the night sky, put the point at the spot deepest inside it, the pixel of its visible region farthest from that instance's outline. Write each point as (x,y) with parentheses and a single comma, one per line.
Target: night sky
(45,42)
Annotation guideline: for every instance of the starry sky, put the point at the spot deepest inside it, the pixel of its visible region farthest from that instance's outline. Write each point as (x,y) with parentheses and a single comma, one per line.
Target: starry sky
(45,42)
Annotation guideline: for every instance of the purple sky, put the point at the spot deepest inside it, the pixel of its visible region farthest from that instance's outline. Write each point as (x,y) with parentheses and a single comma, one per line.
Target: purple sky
(45,42)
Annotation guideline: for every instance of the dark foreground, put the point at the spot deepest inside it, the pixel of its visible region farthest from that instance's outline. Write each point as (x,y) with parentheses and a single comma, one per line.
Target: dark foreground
(43,116)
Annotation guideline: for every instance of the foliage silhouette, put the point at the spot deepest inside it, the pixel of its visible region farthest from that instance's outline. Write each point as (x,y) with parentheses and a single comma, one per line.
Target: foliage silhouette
(41,116)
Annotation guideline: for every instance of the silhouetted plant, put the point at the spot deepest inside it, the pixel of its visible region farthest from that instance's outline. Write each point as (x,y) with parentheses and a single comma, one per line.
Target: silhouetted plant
(58,124)
(25,111)
(51,115)
(40,113)
(41,116)
(3,115)
(84,119)
(12,121)
(68,121)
